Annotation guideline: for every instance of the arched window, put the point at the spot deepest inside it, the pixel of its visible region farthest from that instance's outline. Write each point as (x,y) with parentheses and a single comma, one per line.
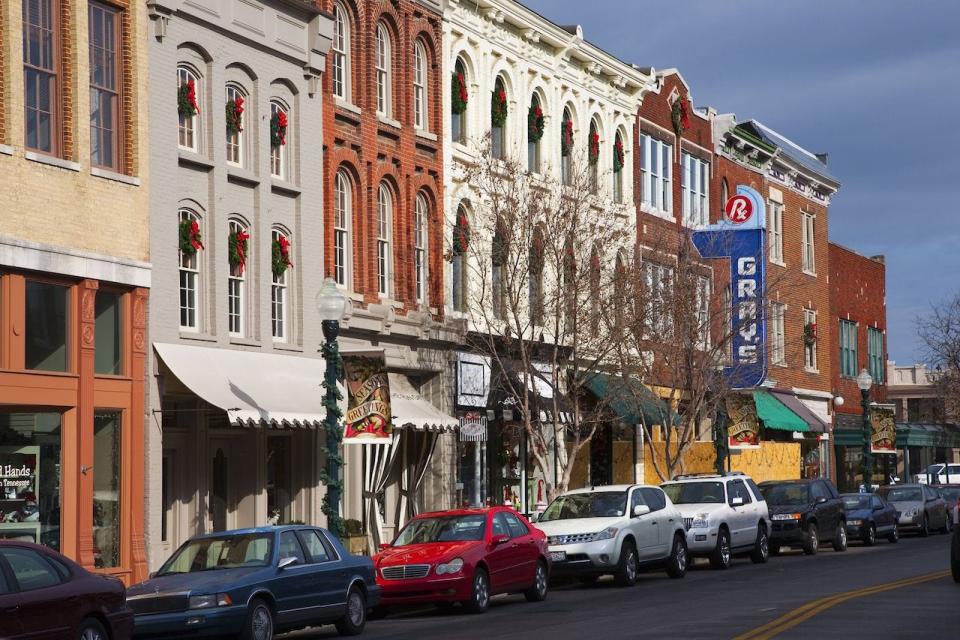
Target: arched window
(419,86)
(188,107)
(459,101)
(461,240)
(189,271)
(593,155)
(279,139)
(498,119)
(341,51)
(237,278)
(498,261)
(236,105)
(384,227)
(342,223)
(566,147)
(619,160)
(535,125)
(421,215)
(724,194)
(279,294)
(535,267)
(595,274)
(384,72)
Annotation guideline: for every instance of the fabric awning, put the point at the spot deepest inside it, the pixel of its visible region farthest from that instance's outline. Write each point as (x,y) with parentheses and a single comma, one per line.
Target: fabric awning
(412,411)
(503,404)
(253,388)
(796,405)
(631,400)
(776,415)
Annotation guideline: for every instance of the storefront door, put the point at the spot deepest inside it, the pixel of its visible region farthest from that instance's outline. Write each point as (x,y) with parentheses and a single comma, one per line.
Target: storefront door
(220,514)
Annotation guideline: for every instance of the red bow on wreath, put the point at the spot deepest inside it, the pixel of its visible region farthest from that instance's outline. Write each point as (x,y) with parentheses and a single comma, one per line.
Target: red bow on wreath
(241,249)
(195,235)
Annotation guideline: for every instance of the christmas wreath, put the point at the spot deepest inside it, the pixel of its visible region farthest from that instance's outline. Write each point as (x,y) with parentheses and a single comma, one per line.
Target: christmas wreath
(278,129)
(458,93)
(594,154)
(810,333)
(535,123)
(680,114)
(190,241)
(461,234)
(618,159)
(566,137)
(235,116)
(498,108)
(238,249)
(187,99)
(281,256)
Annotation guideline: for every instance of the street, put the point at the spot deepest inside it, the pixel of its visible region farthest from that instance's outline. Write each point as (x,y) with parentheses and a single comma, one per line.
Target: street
(747,602)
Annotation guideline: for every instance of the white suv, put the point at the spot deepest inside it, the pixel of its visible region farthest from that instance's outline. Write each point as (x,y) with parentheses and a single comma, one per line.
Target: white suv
(614,530)
(723,515)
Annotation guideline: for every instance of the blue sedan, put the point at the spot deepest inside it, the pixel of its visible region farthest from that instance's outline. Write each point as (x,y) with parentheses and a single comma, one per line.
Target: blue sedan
(253,583)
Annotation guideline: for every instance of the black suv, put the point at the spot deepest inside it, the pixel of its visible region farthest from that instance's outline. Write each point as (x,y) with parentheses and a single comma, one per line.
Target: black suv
(803,512)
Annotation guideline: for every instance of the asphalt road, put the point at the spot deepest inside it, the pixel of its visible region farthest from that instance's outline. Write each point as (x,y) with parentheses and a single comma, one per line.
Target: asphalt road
(885,591)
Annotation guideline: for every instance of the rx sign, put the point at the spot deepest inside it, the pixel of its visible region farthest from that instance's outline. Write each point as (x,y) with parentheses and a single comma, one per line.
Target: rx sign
(741,238)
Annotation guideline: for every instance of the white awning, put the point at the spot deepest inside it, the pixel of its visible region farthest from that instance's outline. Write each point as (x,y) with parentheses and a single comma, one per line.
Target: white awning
(253,388)
(412,410)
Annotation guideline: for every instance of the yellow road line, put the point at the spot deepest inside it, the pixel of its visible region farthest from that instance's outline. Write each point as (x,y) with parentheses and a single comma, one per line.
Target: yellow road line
(807,611)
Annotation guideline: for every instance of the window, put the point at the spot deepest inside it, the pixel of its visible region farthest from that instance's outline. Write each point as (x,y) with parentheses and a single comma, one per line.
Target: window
(30,569)
(290,547)
(724,193)
(776,232)
(341,52)
(595,274)
(105,112)
(848,348)
(314,545)
(108,356)
(737,489)
(819,490)
(46,321)
(32,510)
(696,189)
(810,339)
(498,119)
(654,498)
(342,221)
(500,525)
(566,148)
(189,281)
(419,86)
(534,121)
(420,246)
(279,296)
(236,288)
(279,138)
(384,222)
(656,160)
(41,69)
(107,443)
(535,291)
(498,258)
(189,128)
(279,489)
(235,137)
(875,354)
(703,311)
(458,119)
(517,528)
(460,240)
(809,264)
(384,76)
(619,159)
(659,290)
(593,156)
(777,334)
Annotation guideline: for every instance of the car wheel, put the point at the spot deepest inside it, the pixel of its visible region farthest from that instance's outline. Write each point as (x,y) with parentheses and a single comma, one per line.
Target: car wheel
(840,537)
(720,556)
(946,524)
(924,527)
(811,540)
(538,590)
(479,600)
(91,629)
(626,575)
(871,536)
(259,623)
(355,619)
(677,563)
(894,536)
(761,549)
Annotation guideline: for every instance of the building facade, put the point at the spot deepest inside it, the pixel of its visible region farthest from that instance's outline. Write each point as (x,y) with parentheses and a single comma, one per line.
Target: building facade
(74,279)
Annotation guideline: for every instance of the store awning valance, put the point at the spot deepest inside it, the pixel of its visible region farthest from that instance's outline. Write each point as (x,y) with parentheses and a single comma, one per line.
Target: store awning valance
(412,411)
(792,402)
(253,388)
(631,400)
(504,401)
(776,415)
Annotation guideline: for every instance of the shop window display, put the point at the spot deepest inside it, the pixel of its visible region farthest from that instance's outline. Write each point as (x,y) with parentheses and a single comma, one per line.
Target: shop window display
(106,489)
(30,477)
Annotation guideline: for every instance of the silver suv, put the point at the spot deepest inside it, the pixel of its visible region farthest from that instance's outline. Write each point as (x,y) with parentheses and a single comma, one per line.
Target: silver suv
(723,515)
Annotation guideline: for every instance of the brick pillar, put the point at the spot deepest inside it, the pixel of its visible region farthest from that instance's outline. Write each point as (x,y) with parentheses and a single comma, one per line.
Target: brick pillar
(85,409)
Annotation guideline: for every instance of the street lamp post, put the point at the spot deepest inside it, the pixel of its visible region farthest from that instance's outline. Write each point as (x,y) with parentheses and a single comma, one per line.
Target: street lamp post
(865,381)
(332,306)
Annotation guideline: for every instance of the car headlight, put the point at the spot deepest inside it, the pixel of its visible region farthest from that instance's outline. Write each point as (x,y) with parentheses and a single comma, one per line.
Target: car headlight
(454,566)
(210,601)
(700,521)
(785,516)
(606,534)
(854,523)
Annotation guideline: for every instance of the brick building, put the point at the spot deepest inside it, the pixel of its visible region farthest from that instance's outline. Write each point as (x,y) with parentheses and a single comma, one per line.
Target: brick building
(74,277)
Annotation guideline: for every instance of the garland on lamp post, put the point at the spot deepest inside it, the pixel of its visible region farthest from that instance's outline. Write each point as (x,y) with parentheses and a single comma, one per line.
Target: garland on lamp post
(680,114)
(566,137)
(238,249)
(618,158)
(594,150)
(535,123)
(458,93)
(278,129)
(187,99)
(280,261)
(498,108)
(190,241)
(235,115)
(332,398)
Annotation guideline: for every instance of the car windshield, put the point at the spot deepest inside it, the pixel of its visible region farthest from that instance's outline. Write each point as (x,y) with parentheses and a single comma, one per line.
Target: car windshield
(222,552)
(596,504)
(856,502)
(934,469)
(901,494)
(694,492)
(786,495)
(443,529)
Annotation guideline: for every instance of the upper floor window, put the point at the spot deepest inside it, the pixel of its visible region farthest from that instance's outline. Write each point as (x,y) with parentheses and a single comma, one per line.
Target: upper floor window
(234,121)
(775,232)
(696,189)
(342,222)
(703,311)
(190,246)
(419,86)
(566,147)
(807,240)
(656,162)
(498,119)
(384,72)
(105,64)
(47,322)
(535,293)
(279,137)
(384,227)
(593,155)
(460,241)
(41,75)
(659,291)
(619,160)
(535,126)
(810,339)
(237,277)
(420,217)
(341,52)
(188,108)
(459,98)
(498,261)
(279,294)
(875,357)
(778,354)
(848,348)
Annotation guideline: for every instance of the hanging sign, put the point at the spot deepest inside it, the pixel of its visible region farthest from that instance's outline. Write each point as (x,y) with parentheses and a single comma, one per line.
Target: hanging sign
(473,427)
(743,430)
(883,429)
(368,418)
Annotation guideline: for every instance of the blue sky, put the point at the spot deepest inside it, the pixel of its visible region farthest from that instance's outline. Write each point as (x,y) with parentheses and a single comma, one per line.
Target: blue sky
(875,83)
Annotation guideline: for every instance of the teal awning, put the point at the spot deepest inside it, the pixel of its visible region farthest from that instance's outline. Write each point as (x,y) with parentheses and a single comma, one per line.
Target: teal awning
(631,400)
(909,434)
(776,415)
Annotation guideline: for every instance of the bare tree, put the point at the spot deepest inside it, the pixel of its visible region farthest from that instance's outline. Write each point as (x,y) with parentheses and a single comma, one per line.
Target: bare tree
(940,333)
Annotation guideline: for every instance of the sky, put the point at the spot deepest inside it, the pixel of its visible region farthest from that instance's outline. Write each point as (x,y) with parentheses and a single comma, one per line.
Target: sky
(874,83)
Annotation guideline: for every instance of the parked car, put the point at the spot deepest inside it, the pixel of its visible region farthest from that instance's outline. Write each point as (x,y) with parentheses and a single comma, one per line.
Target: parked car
(939,473)
(614,530)
(254,583)
(951,494)
(464,556)
(45,595)
(955,549)
(870,516)
(921,507)
(803,511)
(723,516)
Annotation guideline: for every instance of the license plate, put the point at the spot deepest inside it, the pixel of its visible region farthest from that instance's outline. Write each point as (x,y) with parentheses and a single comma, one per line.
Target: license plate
(558,556)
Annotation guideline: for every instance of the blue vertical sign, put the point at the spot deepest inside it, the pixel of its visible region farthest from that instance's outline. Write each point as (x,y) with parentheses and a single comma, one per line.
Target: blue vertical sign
(741,237)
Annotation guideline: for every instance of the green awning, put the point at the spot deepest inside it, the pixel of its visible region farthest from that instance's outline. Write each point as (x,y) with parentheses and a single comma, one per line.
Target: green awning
(776,415)
(633,402)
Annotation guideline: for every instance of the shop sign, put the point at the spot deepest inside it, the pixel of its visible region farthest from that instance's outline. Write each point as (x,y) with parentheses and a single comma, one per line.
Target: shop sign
(19,507)
(740,237)
(473,427)
(473,380)
(368,418)
(883,429)
(743,430)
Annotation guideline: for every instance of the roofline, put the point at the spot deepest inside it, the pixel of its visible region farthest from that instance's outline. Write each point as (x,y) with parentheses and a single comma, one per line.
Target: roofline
(844,247)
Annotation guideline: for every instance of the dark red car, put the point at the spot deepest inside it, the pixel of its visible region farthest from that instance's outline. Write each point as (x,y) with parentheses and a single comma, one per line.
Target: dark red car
(45,595)
(464,556)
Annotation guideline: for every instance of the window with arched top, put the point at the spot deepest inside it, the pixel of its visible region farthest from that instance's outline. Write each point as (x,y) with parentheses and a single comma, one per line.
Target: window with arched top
(535,268)
(498,260)
(279,286)
(191,243)
(342,224)
(384,228)
(189,89)
(340,67)
(279,139)
(460,243)
(459,99)
(566,147)
(535,126)
(384,71)
(237,277)
(594,284)
(236,99)
(619,160)
(593,155)
(420,85)
(498,119)
(421,216)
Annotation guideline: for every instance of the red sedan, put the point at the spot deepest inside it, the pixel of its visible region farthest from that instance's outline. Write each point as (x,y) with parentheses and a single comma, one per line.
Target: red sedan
(464,556)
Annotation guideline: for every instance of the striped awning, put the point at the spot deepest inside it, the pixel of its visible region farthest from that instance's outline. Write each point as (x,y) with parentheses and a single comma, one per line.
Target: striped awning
(412,411)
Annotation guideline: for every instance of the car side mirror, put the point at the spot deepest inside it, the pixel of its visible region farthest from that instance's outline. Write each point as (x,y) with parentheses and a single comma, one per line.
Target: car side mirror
(384,546)
(152,574)
(736,502)
(284,563)
(640,510)
(498,540)
(821,500)
(534,517)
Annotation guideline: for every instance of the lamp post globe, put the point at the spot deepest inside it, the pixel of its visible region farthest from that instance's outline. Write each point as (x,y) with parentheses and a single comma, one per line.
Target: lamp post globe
(864,382)
(331,303)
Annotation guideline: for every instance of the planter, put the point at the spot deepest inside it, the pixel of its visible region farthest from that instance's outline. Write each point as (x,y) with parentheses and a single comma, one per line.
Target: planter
(356,545)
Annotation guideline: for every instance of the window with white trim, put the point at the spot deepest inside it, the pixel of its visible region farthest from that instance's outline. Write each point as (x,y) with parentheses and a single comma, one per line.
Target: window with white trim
(342,223)
(875,354)
(848,348)
(775,232)
(659,290)
(778,351)
(458,121)
(618,172)
(807,240)
(384,75)
(696,190)
(279,297)
(384,221)
(419,86)
(235,138)
(341,52)
(703,311)
(236,288)
(278,152)
(810,339)
(189,125)
(656,161)
(189,280)
(421,214)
